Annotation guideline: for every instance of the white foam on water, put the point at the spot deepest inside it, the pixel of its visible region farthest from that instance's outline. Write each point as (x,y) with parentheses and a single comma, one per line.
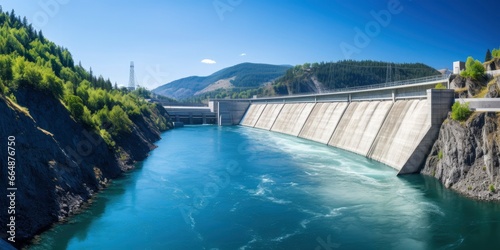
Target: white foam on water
(278,201)
(311,174)
(254,239)
(432,208)
(332,212)
(285,236)
(235,207)
(456,244)
(260,191)
(266,179)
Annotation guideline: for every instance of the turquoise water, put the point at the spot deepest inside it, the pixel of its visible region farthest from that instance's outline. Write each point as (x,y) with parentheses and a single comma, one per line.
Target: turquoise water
(209,187)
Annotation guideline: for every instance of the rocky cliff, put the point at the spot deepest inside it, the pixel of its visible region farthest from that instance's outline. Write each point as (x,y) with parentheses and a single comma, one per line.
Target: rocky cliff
(466,156)
(59,163)
(494,64)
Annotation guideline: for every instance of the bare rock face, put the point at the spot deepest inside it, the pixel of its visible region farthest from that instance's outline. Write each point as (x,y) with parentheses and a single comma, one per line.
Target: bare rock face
(458,82)
(60,164)
(466,156)
(470,87)
(493,64)
(493,88)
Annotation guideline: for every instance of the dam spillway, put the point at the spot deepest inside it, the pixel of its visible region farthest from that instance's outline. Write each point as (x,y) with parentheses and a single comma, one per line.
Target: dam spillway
(322,121)
(404,128)
(268,116)
(253,115)
(292,118)
(360,125)
(398,133)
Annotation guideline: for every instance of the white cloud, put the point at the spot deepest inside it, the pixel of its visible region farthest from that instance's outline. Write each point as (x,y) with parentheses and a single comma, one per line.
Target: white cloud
(243,54)
(208,61)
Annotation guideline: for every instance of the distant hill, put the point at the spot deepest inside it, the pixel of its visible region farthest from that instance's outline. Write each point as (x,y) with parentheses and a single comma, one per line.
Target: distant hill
(241,76)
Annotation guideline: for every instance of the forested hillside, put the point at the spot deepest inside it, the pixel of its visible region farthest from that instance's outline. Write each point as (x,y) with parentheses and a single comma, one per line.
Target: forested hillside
(29,60)
(69,132)
(320,77)
(324,77)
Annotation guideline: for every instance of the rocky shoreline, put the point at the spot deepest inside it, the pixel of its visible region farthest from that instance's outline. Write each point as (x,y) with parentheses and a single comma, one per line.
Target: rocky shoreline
(60,164)
(466,156)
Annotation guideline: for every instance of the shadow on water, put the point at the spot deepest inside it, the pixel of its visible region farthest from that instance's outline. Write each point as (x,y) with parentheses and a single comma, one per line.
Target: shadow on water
(464,222)
(77,226)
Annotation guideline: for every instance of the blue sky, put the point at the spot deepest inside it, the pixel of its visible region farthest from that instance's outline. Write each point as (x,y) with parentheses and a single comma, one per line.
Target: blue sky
(169,39)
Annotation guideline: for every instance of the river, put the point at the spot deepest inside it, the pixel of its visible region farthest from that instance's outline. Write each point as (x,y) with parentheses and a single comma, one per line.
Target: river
(209,187)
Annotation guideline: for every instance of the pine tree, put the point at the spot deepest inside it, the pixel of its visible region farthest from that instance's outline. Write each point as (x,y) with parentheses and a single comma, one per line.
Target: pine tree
(488,56)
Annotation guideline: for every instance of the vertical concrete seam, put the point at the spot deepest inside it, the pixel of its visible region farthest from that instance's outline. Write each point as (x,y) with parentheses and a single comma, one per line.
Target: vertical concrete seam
(370,151)
(261,112)
(272,125)
(337,125)
(305,122)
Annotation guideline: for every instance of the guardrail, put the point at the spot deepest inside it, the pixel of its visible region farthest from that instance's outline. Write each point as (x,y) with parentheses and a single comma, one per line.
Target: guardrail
(392,84)
(358,88)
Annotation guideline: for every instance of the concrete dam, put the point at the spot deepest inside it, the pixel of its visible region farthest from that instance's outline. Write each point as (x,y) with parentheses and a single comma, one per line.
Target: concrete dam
(396,126)
(385,131)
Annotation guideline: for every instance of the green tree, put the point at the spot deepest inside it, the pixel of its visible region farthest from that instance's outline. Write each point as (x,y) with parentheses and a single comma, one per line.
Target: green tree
(460,112)
(5,68)
(119,119)
(51,83)
(75,106)
(488,56)
(473,68)
(97,99)
(82,90)
(496,53)
(440,86)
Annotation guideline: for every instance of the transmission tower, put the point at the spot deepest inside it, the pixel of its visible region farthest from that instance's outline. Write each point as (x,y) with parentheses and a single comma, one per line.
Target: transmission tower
(131,81)
(388,73)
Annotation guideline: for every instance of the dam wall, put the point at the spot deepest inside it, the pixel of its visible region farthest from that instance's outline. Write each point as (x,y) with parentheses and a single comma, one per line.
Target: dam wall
(360,125)
(268,116)
(292,118)
(229,112)
(405,126)
(398,132)
(322,121)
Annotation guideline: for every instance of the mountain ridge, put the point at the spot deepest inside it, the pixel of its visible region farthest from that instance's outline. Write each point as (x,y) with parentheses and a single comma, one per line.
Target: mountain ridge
(243,75)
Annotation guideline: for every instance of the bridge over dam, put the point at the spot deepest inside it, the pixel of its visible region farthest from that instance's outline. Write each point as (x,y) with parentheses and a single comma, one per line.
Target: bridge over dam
(191,114)
(395,123)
